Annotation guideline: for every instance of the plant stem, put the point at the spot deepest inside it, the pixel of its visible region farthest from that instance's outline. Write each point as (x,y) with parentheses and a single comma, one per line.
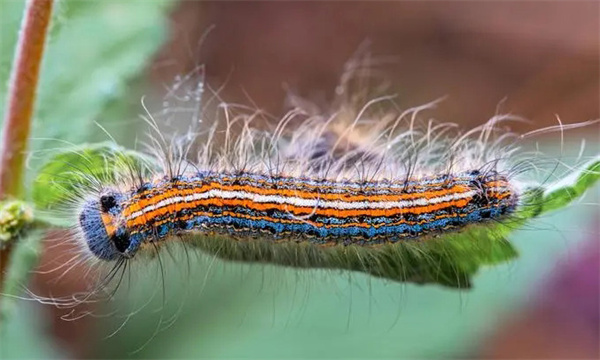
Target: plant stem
(21,100)
(21,95)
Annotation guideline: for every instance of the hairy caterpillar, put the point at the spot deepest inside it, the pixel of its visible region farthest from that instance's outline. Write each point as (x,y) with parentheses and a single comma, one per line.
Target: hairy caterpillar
(365,187)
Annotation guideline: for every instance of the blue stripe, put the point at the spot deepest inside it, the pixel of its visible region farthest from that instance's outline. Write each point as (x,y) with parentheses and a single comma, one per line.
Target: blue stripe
(321,234)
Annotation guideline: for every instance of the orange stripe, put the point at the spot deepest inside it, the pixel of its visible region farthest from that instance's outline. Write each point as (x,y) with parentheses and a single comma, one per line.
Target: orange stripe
(141,220)
(109,224)
(309,193)
(142,203)
(497,183)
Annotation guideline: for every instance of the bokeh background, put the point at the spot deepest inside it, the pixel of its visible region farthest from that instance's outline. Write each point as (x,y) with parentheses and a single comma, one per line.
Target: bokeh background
(533,59)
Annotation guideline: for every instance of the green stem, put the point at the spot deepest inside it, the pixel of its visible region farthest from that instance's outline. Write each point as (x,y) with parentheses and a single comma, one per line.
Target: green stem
(21,100)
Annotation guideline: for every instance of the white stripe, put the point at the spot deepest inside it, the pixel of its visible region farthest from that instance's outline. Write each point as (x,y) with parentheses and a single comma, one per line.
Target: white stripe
(301,202)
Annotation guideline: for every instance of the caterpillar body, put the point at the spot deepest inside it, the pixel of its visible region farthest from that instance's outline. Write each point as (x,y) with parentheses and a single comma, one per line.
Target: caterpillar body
(280,209)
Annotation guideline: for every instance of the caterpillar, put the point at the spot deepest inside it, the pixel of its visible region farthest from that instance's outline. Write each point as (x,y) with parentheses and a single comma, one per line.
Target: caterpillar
(282,209)
(363,187)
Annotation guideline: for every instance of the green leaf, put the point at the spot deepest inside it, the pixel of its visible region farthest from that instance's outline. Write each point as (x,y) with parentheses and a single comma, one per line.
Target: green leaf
(571,188)
(488,245)
(450,259)
(69,173)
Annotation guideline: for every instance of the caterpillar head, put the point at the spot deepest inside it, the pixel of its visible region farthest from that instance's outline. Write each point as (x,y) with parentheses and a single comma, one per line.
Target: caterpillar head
(104,228)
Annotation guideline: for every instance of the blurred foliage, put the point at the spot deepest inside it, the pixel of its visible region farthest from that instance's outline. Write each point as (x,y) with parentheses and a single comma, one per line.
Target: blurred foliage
(23,258)
(96,48)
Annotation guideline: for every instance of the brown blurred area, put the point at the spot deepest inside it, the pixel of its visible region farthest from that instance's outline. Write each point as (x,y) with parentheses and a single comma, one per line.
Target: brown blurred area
(563,320)
(536,58)
(55,280)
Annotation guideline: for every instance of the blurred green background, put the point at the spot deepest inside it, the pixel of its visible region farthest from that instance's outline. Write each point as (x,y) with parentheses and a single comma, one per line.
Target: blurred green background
(103,56)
